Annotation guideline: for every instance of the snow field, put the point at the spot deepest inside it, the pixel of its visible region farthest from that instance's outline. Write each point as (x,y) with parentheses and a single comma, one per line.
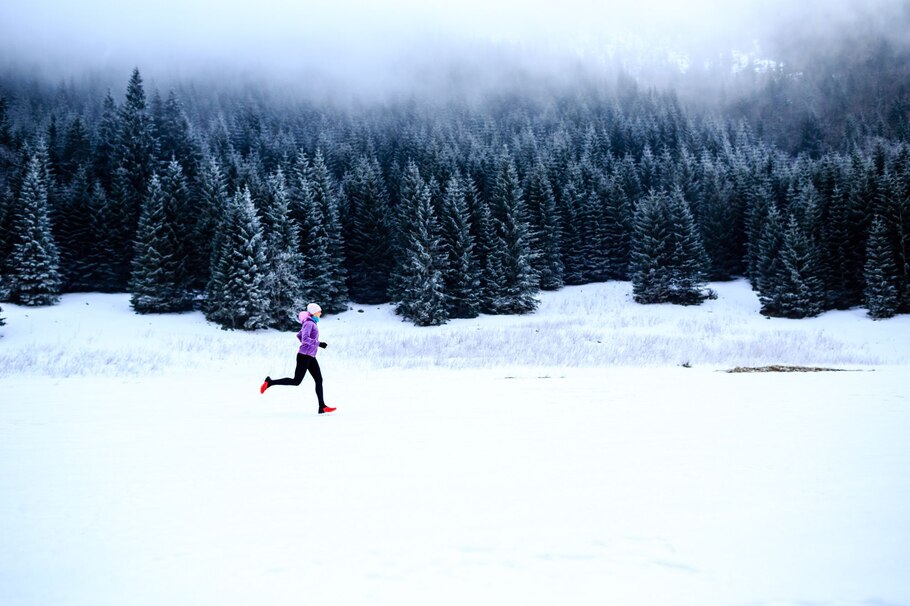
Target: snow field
(632,486)
(495,461)
(592,326)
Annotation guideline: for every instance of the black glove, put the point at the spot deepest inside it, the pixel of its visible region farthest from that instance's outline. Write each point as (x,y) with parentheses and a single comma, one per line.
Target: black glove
(323,345)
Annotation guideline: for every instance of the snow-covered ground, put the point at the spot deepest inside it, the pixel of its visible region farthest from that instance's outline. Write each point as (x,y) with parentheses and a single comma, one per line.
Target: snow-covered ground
(564,457)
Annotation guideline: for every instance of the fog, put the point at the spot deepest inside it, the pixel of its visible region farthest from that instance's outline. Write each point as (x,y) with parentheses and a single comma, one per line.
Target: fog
(367,46)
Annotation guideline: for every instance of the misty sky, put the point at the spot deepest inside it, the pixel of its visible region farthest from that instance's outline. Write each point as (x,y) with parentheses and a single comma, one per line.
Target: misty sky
(361,38)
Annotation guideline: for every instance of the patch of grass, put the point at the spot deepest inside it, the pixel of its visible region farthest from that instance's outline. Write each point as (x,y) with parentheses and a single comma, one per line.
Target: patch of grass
(783,368)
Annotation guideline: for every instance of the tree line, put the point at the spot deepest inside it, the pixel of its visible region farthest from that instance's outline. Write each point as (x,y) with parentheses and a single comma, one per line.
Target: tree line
(248,206)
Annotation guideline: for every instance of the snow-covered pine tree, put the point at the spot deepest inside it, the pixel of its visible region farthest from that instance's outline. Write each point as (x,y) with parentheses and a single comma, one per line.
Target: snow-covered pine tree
(236,295)
(2,290)
(767,266)
(719,222)
(134,161)
(517,291)
(7,207)
(802,291)
(325,277)
(211,200)
(687,176)
(174,137)
(807,206)
(368,232)
(39,150)
(546,228)
(99,262)
(76,150)
(569,203)
(759,201)
(463,273)
(282,237)
(411,185)
(881,295)
(34,264)
(893,207)
(668,258)
(182,216)
(52,151)
(423,297)
(486,246)
(844,252)
(157,282)
(649,264)
(104,155)
(648,168)
(689,261)
(75,238)
(617,229)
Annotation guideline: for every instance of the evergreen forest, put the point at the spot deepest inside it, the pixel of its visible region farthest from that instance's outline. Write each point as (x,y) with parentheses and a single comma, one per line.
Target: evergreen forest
(248,204)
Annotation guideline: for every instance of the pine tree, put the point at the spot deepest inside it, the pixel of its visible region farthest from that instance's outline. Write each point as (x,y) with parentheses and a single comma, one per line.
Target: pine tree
(7,239)
(423,299)
(570,201)
(759,201)
(768,265)
(173,136)
(182,218)
(591,217)
(285,263)
(105,149)
(843,251)
(76,150)
(135,148)
(211,201)
(546,232)
(411,186)
(649,259)
(157,282)
(134,162)
(52,149)
(668,259)
(488,249)
(99,263)
(802,289)
(518,288)
(236,294)
(368,233)
(893,206)
(689,258)
(75,238)
(881,295)
(463,273)
(617,229)
(325,275)
(34,260)
(648,170)
(719,222)
(39,150)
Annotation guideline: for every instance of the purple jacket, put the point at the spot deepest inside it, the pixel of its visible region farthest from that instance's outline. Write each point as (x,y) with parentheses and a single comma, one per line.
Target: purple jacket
(308,335)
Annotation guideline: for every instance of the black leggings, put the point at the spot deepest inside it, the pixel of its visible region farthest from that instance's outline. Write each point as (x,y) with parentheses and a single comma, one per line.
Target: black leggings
(305,363)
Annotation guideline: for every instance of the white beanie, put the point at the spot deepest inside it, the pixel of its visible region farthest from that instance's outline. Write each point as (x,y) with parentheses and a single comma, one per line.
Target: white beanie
(313,308)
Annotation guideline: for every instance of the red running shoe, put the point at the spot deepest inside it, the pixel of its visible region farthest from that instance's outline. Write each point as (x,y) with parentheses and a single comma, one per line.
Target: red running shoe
(265,385)
(327,409)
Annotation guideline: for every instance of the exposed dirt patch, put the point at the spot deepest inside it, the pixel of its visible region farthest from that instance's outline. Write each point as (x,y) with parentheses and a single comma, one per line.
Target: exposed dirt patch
(781,368)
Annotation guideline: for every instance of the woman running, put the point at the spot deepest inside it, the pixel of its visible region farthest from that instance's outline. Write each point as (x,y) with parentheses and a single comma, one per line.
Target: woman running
(306,355)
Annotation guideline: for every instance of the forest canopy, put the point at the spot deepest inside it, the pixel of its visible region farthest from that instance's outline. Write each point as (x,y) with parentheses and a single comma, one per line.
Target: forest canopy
(249,201)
